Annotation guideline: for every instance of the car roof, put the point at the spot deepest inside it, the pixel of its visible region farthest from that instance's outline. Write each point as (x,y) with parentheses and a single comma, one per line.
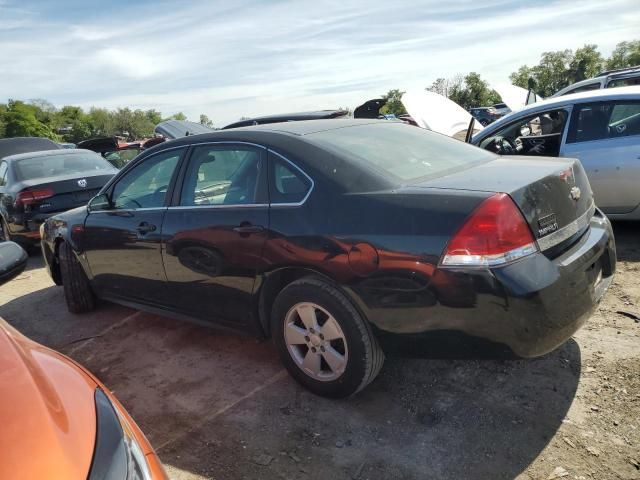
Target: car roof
(610,74)
(618,93)
(12,146)
(47,153)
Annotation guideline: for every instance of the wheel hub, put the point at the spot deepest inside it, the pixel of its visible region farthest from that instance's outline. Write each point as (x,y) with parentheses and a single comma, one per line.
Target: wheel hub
(316,341)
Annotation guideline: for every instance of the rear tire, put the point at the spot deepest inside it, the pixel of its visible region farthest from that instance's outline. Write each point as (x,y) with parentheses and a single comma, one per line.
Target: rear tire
(77,291)
(342,353)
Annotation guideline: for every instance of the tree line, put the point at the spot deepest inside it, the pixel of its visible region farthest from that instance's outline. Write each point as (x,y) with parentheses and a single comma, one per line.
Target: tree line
(555,70)
(40,118)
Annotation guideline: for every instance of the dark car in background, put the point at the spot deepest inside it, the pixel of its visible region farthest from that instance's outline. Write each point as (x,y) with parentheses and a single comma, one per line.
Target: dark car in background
(288,117)
(171,129)
(323,234)
(38,184)
(485,115)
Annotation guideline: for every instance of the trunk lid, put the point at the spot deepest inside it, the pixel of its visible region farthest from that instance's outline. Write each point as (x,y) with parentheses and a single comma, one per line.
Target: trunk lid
(516,98)
(435,112)
(69,191)
(553,194)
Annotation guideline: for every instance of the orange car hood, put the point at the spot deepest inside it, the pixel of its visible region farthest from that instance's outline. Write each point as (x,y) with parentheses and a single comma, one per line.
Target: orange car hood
(47,412)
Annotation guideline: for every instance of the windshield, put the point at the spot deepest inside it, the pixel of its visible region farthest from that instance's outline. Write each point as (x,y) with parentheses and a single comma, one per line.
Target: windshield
(61,164)
(403,151)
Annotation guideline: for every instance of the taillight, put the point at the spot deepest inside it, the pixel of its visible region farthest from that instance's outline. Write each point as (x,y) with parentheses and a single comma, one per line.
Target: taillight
(29,197)
(494,234)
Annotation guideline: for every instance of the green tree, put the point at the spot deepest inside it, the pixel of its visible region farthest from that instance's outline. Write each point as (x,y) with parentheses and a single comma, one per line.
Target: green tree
(153,116)
(626,54)
(20,121)
(522,76)
(204,120)
(102,122)
(3,110)
(178,116)
(473,92)
(394,103)
(586,63)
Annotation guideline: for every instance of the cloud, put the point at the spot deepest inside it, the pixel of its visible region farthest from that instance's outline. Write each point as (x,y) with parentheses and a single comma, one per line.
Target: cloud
(253,57)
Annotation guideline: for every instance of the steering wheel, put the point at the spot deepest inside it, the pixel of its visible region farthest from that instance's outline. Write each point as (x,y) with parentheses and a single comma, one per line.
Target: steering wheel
(504,146)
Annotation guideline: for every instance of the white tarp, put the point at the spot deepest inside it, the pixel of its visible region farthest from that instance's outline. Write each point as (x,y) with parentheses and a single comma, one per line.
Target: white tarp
(435,112)
(515,97)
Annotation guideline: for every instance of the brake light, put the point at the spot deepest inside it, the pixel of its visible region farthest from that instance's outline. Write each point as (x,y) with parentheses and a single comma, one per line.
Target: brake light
(494,234)
(29,197)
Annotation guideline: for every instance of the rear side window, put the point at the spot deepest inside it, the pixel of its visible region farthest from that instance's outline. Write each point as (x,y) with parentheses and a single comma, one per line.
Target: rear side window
(604,120)
(624,82)
(287,183)
(61,164)
(222,175)
(402,151)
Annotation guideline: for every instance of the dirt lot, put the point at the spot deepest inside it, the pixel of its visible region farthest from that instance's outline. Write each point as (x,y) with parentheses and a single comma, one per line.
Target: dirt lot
(220,406)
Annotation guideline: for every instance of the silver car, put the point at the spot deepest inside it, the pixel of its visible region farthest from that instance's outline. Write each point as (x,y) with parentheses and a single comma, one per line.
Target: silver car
(600,127)
(623,77)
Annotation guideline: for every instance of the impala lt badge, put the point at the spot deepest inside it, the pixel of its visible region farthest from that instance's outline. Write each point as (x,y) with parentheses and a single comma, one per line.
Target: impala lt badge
(575,193)
(82,183)
(547,225)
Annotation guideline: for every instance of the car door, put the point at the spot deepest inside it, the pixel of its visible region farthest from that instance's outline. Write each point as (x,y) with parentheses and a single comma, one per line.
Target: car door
(215,232)
(605,136)
(122,236)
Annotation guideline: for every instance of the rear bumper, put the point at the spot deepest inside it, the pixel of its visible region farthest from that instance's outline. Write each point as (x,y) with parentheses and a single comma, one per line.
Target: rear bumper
(25,228)
(533,305)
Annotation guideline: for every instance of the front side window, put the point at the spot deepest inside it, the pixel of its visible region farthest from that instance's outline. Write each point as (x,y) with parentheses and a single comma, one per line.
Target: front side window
(605,120)
(538,134)
(222,175)
(146,185)
(287,183)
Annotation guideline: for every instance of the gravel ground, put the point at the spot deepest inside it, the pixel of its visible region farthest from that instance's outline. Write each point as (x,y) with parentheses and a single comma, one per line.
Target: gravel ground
(220,406)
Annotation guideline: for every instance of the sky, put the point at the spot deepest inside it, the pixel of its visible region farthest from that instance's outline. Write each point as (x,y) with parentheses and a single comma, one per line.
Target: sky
(248,58)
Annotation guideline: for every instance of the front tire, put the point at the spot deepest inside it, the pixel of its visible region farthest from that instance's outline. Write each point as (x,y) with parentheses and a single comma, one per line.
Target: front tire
(77,291)
(323,341)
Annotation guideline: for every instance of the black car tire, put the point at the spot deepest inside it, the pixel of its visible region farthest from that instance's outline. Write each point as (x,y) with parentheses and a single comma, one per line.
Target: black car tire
(365,357)
(77,291)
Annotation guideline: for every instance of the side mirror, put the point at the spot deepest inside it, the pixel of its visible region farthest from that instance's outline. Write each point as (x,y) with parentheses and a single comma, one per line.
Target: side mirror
(99,202)
(13,260)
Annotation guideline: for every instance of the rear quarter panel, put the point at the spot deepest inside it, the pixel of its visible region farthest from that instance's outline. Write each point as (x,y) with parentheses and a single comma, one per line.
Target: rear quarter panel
(382,248)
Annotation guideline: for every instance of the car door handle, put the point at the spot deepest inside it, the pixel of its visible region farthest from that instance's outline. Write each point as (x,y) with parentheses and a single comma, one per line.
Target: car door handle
(146,227)
(248,228)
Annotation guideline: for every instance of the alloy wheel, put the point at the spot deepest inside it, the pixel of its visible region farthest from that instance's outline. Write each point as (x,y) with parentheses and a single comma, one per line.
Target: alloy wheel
(316,342)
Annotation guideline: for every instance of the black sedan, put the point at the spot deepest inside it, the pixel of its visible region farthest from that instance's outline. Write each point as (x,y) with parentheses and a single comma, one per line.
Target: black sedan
(38,184)
(322,234)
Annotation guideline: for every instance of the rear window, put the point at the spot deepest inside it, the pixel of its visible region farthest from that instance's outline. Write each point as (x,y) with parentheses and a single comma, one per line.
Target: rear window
(61,164)
(402,151)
